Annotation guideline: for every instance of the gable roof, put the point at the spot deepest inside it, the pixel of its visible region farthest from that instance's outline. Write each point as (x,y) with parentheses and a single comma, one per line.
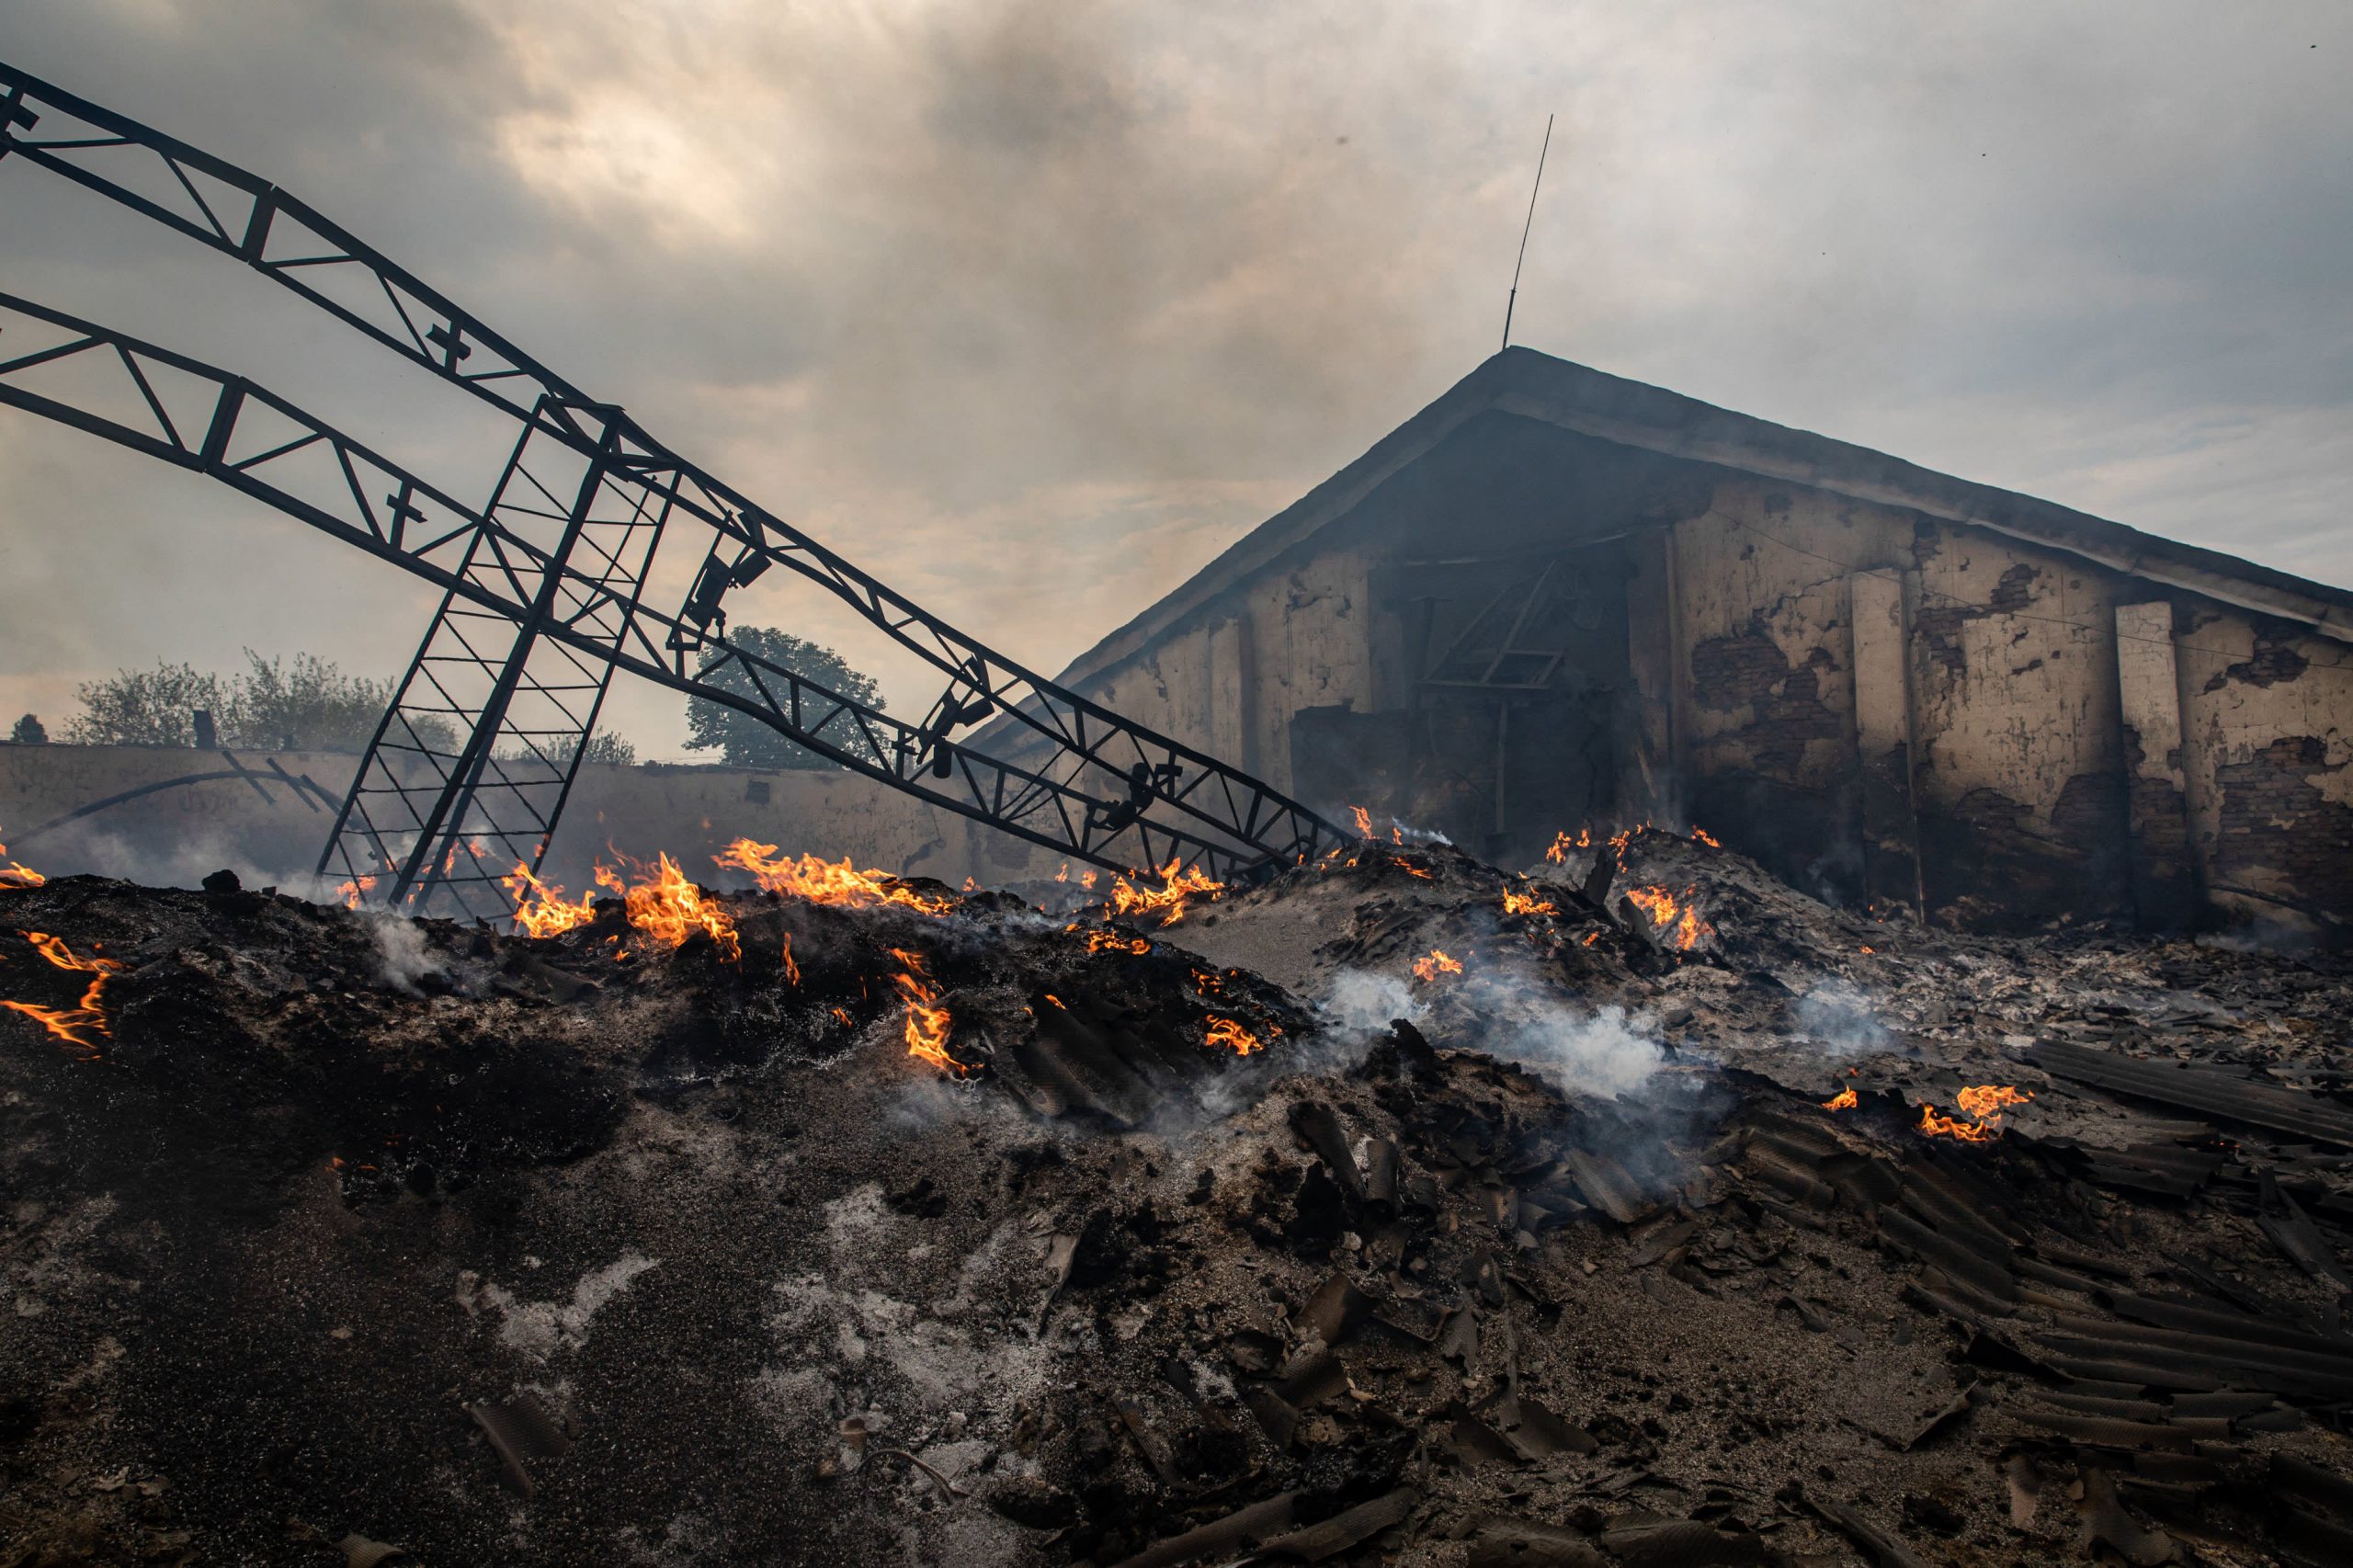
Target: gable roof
(1635,414)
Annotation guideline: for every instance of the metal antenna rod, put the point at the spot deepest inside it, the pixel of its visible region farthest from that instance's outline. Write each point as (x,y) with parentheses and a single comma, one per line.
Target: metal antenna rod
(1525,227)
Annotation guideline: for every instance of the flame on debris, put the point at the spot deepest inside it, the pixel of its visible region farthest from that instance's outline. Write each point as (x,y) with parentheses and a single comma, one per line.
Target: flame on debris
(12,875)
(928,1021)
(1438,963)
(1701,835)
(1843,1100)
(1410,869)
(1232,1036)
(68,1023)
(539,910)
(357,889)
(791,970)
(1984,1103)
(1364,821)
(1674,920)
(668,908)
(1177,885)
(1563,844)
(1527,903)
(1064,874)
(821,881)
(1098,940)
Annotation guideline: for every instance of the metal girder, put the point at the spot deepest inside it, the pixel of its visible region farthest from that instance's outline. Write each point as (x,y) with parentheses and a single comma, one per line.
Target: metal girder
(1113,792)
(266,447)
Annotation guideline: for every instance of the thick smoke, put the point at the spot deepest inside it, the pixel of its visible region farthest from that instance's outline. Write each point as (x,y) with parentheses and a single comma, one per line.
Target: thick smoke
(1841,1019)
(1603,1053)
(401,956)
(1362,1002)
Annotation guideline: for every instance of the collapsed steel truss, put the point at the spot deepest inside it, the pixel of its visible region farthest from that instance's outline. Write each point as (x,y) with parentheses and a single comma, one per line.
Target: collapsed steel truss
(544,588)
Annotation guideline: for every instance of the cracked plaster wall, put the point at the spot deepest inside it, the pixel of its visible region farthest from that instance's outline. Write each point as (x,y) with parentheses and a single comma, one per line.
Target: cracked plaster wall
(2019,780)
(1289,638)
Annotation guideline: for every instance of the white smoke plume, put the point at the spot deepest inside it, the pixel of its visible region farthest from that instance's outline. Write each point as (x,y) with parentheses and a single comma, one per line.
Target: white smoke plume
(1603,1053)
(1361,1002)
(401,956)
(1841,1019)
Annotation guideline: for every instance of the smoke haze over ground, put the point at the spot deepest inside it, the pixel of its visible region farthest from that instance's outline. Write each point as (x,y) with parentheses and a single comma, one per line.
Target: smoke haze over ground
(1031,308)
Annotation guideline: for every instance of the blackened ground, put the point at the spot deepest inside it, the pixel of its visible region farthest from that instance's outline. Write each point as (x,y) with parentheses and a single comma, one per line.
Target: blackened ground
(1572,1269)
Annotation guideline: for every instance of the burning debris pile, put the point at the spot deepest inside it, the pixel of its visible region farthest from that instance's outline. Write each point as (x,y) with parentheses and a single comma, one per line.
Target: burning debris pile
(1633,1209)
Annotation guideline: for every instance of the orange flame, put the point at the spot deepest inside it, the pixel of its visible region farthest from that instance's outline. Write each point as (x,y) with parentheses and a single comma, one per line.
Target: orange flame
(67,1023)
(1438,963)
(1982,1104)
(539,910)
(1364,821)
(1561,844)
(821,881)
(791,970)
(1701,835)
(1177,885)
(1088,879)
(1410,869)
(668,908)
(1591,938)
(12,875)
(1098,940)
(928,1021)
(1988,1101)
(1062,875)
(1232,1036)
(355,890)
(841,1017)
(1527,903)
(1674,921)
(1843,1100)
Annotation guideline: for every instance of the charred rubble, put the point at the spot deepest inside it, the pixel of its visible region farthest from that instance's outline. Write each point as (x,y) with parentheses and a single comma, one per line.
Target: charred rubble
(1632,1209)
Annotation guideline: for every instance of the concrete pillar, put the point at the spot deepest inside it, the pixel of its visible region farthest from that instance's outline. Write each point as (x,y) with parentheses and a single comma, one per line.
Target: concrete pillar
(1229,718)
(1646,778)
(1883,653)
(2148,682)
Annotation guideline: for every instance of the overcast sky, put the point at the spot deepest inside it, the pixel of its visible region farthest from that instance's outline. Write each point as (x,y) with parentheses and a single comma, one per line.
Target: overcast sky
(1031,308)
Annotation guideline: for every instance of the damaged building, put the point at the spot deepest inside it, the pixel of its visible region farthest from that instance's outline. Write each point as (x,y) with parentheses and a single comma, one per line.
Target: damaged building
(1557,598)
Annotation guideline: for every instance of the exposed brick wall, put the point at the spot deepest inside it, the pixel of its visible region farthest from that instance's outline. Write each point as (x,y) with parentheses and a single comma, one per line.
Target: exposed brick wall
(1784,700)
(1990,863)
(2276,824)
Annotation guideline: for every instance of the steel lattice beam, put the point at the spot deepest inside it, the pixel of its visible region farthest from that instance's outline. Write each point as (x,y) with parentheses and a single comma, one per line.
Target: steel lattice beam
(1107,791)
(312,472)
(1137,796)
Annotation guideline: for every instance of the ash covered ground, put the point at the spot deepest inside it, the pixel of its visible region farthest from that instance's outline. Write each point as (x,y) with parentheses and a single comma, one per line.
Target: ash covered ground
(1521,1231)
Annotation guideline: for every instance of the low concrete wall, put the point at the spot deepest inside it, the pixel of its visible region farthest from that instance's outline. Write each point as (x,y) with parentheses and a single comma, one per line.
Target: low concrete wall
(186,824)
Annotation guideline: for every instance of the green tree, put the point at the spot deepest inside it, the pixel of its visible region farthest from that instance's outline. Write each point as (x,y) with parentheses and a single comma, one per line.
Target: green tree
(603,747)
(745,741)
(307,705)
(29,731)
(146,708)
